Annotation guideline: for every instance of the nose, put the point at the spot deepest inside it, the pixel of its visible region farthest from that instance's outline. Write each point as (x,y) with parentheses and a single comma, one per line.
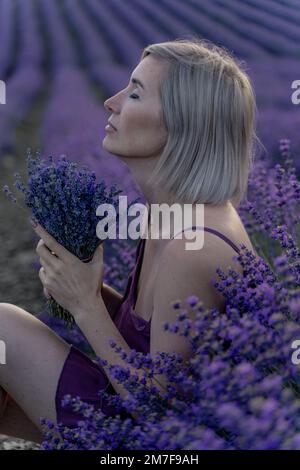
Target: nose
(113,103)
(107,104)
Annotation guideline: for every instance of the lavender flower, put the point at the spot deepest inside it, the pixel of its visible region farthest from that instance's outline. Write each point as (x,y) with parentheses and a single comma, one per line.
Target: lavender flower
(239,389)
(63,198)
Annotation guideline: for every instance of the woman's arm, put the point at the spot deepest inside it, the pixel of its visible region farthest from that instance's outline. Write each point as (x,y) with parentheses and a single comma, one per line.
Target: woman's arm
(111,298)
(99,329)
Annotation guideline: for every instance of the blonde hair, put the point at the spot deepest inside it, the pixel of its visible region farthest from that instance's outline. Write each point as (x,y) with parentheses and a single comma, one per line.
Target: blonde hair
(208,108)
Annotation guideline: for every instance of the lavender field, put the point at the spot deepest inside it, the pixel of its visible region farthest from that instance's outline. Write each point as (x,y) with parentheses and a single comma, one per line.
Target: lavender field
(61,59)
(64,56)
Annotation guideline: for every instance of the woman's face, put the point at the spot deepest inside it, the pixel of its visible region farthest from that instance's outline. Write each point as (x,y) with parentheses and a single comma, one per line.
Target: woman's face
(136,114)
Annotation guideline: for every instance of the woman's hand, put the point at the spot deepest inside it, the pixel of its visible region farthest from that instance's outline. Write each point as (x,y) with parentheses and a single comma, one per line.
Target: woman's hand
(72,283)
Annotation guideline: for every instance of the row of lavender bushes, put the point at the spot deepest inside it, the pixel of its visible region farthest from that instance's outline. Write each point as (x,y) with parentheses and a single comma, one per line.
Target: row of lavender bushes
(45,42)
(27,80)
(240,389)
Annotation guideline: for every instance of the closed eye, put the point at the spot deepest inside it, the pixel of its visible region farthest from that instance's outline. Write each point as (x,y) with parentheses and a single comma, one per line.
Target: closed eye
(134,96)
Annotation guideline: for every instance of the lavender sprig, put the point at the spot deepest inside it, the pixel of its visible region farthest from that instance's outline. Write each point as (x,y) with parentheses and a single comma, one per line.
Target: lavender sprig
(63,198)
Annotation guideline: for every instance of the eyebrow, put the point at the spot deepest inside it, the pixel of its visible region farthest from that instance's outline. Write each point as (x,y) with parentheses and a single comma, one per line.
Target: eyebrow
(138,82)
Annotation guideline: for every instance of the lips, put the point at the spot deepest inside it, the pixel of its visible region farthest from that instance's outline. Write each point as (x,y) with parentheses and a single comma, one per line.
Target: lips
(112,125)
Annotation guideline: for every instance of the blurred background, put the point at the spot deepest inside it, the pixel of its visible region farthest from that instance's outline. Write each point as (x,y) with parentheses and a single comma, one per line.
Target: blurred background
(61,59)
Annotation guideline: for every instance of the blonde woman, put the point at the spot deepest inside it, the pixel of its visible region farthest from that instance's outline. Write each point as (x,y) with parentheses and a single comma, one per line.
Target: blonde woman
(185,126)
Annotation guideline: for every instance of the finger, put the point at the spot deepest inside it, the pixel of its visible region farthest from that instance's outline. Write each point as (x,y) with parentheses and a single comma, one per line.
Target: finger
(46,258)
(98,253)
(44,279)
(44,252)
(42,275)
(41,243)
(53,245)
(46,293)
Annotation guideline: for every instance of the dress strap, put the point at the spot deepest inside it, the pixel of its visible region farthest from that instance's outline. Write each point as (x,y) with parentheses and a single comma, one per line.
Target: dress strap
(212,230)
(135,274)
(137,270)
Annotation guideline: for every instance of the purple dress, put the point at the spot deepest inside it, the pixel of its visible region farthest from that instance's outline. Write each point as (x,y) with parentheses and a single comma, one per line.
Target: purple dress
(83,377)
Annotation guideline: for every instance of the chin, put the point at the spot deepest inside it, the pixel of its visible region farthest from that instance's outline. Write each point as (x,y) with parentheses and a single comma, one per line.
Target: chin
(104,144)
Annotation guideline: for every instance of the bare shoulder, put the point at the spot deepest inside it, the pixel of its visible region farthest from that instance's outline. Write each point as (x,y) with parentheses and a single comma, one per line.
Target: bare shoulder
(197,257)
(180,274)
(184,272)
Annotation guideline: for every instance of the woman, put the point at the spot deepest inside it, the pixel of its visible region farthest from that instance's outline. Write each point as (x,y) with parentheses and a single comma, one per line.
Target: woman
(184,125)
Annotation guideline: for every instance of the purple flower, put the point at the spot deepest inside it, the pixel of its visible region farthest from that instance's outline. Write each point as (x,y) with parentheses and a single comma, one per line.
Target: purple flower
(239,389)
(63,198)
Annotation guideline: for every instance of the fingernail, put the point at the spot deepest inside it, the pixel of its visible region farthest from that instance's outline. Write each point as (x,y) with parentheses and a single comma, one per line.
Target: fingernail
(33,222)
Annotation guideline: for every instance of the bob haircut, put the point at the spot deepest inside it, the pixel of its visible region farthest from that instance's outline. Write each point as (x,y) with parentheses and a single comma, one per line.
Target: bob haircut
(208,108)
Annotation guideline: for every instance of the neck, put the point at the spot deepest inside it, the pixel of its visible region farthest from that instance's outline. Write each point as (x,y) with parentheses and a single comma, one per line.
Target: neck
(141,168)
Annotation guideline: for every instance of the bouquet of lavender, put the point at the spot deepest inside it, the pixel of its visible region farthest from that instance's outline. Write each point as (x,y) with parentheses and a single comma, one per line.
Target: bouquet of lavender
(63,198)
